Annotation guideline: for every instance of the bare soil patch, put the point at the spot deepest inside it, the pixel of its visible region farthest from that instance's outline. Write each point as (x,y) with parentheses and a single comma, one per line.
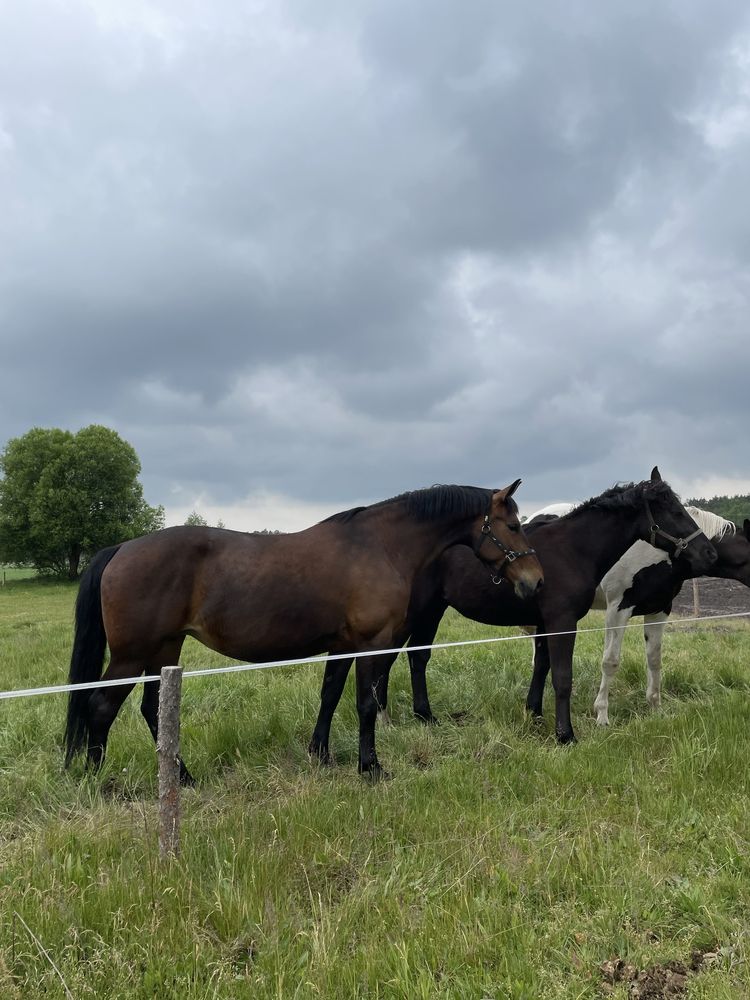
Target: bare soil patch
(715,597)
(657,982)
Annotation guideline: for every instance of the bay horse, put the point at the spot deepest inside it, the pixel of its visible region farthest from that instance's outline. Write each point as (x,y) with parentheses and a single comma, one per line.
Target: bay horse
(645,581)
(343,584)
(575,552)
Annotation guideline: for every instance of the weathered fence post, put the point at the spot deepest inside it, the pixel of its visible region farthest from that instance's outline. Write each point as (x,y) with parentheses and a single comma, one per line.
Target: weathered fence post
(169,762)
(696,599)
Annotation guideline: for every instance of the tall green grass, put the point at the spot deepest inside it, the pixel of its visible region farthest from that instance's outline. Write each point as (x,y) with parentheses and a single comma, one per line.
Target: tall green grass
(494,864)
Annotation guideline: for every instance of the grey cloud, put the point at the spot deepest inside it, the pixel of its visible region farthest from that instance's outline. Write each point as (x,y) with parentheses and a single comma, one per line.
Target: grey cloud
(339,250)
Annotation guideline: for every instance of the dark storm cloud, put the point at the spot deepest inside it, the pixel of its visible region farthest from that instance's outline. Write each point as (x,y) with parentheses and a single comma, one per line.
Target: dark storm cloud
(333,251)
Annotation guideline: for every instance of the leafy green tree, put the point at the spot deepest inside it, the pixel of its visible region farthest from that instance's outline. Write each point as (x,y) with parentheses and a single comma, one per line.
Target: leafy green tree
(196,519)
(63,496)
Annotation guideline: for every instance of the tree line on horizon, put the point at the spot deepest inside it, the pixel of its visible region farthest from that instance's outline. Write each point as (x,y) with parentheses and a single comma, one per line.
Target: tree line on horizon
(736,508)
(64,496)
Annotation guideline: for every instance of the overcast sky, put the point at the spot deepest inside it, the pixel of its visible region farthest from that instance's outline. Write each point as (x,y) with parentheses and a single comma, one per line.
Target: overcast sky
(309,253)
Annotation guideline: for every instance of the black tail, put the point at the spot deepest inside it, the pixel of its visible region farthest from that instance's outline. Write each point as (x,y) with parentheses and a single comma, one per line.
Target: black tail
(89,644)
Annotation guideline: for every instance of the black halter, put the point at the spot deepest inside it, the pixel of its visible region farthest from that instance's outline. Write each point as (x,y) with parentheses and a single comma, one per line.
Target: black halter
(511,555)
(680,544)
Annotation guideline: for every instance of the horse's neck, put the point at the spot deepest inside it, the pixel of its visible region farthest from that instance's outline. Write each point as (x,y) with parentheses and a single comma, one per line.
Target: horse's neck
(733,561)
(603,537)
(413,544)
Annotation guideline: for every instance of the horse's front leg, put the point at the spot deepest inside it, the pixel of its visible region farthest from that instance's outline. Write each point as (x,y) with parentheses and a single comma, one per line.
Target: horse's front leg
(541,663)
(614,631)
(653,630)
(561,659)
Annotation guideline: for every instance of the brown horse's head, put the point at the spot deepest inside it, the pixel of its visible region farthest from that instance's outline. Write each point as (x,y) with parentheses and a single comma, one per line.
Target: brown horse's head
(503,544)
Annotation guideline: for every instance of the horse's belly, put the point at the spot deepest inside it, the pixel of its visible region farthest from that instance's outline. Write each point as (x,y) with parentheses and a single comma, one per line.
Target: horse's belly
(261,629)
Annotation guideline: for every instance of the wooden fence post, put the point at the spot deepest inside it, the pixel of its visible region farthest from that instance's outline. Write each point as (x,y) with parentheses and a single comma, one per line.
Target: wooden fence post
(169,762)
(696,599)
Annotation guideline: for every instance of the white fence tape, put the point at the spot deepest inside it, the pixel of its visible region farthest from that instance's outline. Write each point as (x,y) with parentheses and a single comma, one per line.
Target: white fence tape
(241,667)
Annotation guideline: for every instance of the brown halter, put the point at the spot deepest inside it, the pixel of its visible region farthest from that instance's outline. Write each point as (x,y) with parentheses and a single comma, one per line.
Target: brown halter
(680,544)
(510,554)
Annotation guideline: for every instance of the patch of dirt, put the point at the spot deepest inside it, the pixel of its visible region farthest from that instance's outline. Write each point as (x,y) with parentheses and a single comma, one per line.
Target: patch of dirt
(715,597)
(657,982)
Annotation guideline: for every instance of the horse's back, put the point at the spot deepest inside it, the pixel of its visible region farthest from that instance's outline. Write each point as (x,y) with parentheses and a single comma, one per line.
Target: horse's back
(158,585)
(248,596)
(552,510)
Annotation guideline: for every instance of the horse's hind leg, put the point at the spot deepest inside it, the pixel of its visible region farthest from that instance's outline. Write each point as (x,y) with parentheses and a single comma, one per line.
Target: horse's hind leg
(381,687)
(334,679)
(105,703)
(368,672)
(423,634)
(150,702)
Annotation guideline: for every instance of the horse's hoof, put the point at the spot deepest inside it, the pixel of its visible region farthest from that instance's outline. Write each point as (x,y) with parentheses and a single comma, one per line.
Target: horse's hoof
(427,718)
(375,773)
(320,755)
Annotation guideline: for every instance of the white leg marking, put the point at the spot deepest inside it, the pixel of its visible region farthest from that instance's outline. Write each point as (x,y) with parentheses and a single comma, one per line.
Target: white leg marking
(610,660)
(653,630)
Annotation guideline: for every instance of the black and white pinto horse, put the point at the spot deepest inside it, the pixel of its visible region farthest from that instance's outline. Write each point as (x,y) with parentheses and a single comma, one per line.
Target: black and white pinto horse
(645,581)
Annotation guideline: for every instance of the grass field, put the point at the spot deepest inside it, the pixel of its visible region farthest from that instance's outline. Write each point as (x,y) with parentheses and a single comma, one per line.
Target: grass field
(8,573)
(494,864)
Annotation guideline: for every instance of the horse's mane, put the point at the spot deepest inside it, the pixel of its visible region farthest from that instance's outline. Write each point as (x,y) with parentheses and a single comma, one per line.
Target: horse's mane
(626,496)
(712,525)
(433,502)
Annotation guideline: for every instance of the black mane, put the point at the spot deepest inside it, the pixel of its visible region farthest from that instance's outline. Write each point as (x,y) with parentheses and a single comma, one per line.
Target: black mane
(627,496)
(433,502)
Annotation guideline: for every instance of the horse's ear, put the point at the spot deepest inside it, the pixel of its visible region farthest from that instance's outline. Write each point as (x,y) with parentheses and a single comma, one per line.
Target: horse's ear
(655,475)
(507,493)
(746,529)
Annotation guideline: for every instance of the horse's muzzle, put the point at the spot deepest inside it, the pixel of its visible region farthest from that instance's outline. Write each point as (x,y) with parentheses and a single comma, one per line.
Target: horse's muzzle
(700,556)
(525,590)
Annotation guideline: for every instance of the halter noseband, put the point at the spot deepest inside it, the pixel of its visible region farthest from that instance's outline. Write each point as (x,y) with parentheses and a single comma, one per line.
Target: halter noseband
(510,554)
(680,544)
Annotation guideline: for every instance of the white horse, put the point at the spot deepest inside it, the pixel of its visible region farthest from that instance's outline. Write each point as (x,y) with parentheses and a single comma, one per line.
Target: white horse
(644,582)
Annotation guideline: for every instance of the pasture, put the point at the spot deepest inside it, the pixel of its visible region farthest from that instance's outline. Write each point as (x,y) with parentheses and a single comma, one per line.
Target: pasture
(494,864)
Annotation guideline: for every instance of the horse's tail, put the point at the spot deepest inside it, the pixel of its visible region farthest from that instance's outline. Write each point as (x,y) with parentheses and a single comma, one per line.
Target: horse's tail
(89,645)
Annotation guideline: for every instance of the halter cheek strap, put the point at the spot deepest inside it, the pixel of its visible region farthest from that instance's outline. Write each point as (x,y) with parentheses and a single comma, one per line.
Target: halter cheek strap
(510,554)
(680,544)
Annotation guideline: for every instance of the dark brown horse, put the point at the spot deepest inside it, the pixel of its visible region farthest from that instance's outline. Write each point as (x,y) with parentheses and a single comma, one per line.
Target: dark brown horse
(342,585)
(575,552)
